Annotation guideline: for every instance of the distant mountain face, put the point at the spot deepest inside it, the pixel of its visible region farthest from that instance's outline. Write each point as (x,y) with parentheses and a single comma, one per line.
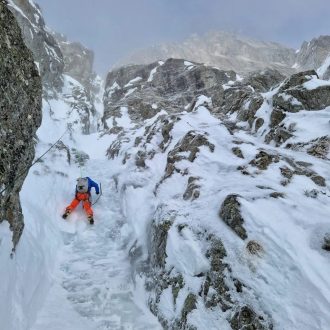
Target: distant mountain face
(52,51)
(224,50)
(46,51)
(78,60)
(312,54)
(228,51)
(60,61)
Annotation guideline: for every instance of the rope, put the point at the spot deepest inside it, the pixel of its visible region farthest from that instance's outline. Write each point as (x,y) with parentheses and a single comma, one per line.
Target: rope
(99,196)
(37,160)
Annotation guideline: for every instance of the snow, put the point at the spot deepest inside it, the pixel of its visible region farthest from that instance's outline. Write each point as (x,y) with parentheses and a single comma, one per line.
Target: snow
(202,100)
(130,91)
(189,65)
(133,81)
(314,82)
(266,108)
(290,98)
(238,77)
(184,253)
(309,125)
(112,89)
(152,73)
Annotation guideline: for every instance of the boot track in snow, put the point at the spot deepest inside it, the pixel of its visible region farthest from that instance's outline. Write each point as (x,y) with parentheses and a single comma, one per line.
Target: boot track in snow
(93,286)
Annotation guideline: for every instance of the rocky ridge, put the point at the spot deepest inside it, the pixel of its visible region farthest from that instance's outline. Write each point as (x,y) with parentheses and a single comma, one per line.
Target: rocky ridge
(78,63)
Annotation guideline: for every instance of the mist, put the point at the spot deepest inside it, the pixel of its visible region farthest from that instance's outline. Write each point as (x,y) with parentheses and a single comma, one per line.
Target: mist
(114,29)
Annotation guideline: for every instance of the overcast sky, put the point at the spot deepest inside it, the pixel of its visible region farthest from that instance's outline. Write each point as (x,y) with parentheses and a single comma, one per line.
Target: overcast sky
(114,28)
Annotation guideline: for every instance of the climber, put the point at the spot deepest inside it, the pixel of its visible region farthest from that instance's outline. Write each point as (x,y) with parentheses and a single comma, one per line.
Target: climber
(83,194)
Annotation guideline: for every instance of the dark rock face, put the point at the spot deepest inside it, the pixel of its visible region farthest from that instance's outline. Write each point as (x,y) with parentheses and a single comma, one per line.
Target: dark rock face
(215,277)
(246,318)
(300,168)
(278,134)
(193,189)
(276,117)
(264,159)
(171,85)
(263,81)
(159,234)
(230,213)
(80,100)
(188,306)
(293,96)
(297,79)
(20,116)
(326,75)
(175,85)
(326,242)
(43,45)
(191,143)
(238,152)
(319,147)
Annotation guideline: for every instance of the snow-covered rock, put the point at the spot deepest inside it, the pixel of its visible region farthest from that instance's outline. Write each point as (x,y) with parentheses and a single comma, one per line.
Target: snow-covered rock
(205,171)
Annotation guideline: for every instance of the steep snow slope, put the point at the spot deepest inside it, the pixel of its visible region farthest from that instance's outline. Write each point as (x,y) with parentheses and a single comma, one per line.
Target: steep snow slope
(93,285)
(87,269)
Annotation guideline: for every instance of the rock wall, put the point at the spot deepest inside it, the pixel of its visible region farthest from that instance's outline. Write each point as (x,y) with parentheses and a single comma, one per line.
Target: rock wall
(41,42)
(78,60)
(20,116)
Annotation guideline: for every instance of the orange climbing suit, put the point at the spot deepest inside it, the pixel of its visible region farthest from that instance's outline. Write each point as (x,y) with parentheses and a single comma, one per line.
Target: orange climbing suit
(84,198)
